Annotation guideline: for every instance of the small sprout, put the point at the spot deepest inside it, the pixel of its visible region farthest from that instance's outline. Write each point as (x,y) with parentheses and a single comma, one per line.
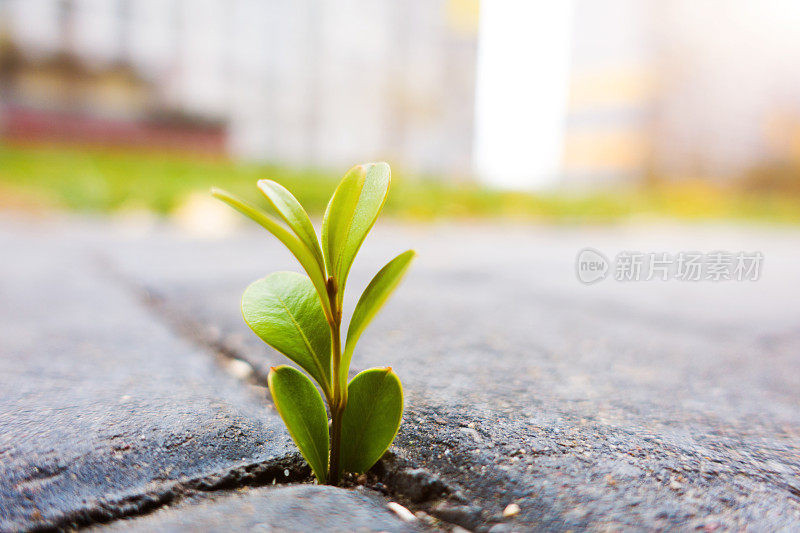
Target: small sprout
(301,317)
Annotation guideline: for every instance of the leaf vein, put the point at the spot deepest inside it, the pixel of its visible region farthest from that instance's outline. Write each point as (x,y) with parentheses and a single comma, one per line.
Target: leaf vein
(297,326)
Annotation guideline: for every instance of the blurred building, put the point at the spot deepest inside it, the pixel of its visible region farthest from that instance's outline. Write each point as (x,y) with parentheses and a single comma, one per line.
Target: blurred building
(580,93)
(295,81)
(359,80)
(612,92)
(681,89)
(54,89)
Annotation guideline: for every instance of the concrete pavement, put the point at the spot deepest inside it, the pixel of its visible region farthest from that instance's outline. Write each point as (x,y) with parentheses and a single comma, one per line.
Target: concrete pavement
(638,405)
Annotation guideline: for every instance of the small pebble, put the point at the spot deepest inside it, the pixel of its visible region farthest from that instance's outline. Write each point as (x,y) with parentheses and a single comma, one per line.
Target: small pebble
(472,433)
(425,517)
(511,510)
(404,514)
(239,369)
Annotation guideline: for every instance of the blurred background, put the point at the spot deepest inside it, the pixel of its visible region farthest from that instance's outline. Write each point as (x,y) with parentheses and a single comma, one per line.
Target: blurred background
(581,110)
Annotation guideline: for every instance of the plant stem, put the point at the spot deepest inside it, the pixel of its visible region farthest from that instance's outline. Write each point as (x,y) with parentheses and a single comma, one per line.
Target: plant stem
(336,443)
(339,396)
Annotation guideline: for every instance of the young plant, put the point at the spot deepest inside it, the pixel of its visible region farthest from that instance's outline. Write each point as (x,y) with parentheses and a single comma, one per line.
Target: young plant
(301,317)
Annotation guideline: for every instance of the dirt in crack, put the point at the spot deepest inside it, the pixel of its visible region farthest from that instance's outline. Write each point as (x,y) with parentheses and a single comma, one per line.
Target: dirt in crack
(398,480)
(202,335)
(284,470)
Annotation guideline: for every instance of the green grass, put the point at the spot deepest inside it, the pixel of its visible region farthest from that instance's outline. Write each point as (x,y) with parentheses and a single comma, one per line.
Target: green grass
(103,180)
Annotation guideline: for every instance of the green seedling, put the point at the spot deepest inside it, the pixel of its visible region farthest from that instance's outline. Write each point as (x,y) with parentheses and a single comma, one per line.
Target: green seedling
(301,317)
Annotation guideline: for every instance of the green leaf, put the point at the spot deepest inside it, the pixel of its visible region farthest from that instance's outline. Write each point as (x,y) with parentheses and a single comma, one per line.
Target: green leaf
(371,301)
(371,418)
(301,408)
(284,311)
(301,252)
(294,215)
(350,215)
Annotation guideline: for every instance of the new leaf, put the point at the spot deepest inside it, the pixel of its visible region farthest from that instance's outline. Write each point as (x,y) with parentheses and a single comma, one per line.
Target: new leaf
(371,418)
(350,215)
(301,408)
(294,215)
(284,311)
(302,253)
(371,301)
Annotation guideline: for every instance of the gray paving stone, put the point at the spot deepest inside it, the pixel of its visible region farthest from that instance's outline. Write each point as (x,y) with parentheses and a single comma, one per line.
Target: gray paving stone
(660,405)
(297,508)
(639,405)
(103,409)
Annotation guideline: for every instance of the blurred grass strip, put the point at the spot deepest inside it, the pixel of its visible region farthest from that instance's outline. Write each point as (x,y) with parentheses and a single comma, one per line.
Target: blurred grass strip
(108,180)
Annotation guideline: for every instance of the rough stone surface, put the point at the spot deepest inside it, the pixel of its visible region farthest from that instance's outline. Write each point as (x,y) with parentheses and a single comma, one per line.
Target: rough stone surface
(103,409)
(298,508)
(654,405)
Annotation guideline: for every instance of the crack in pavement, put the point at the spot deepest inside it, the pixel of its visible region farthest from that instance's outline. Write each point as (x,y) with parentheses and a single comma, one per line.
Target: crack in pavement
(279,470)
(394,477)
(573,472)
(581,418)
